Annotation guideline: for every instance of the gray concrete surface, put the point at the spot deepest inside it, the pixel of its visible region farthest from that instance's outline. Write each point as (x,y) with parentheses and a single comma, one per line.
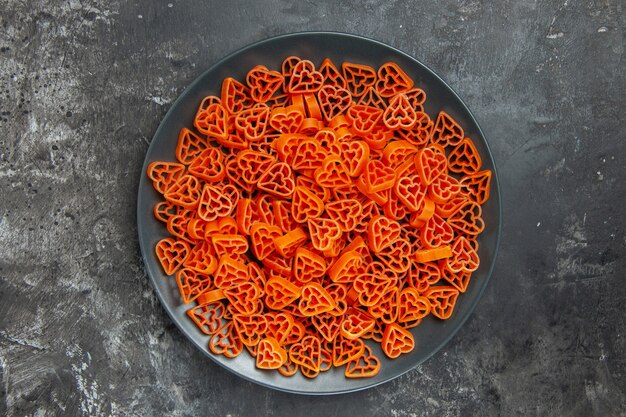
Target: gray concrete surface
(83,86)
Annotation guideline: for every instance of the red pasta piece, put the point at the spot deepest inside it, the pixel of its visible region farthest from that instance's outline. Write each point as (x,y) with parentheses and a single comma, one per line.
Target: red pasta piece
(346,350)
(412,306)
(283,216)
(447,208)
(355,154)
(327,325)
(399,114)
(192,284)
(287,119)
(172,254)
(419,134)
(382,232)
(265,210)
(184,192)
(477,186)
(189,146)
(262,237)
(459,280)
(277,180)
(279,326)
(243,215)
(314,300)
(308,155)
(396,341)
(250,328)
(371,287)
(243,297)
(358,77)
(306,205)
(416,97)
(313,110)
(346,267)
(423,214)
(331,75)
(365,366)
(392,80)
(378,176)
(442,301)
(279,293)
(323,232)
(253,122)
(270,355)
(178,225)
(307,353)
(436,232)
(253,164)
(208,316)
(410,191)
(333,101)
(332,173)
(235,96)
(467,218)
(430,163)
(226,342)
(263,83)
(287,244)
(213,203)
(229,244)
(256,275)
(230,272)
(213,121)
(386,309)
(304,78)
(308,265)
(446,132)
(356,323)
(398,152)
(397,257)
(464,258)
(423,275)
(234,174)
(287,68)
(464,158)
(164,210)
(208,165)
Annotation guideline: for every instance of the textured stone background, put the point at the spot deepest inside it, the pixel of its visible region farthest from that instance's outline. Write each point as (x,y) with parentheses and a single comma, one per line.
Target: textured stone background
(83,86)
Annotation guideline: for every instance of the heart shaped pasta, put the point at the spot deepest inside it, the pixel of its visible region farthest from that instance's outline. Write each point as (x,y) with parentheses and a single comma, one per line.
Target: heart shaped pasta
(311,211)
(382,232)
(286,119)
(314,300)
(208,316)
(263,83)
(270,355)
(172,254)
(304,78)
(396,341)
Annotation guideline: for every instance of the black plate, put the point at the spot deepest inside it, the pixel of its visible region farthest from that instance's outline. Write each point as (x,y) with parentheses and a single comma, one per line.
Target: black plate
(432,334)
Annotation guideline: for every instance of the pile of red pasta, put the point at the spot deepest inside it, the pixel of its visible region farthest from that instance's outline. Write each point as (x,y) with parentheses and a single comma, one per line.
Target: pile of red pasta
(313,209)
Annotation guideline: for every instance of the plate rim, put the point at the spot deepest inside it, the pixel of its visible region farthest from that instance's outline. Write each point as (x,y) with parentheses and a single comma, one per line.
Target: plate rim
(495,184)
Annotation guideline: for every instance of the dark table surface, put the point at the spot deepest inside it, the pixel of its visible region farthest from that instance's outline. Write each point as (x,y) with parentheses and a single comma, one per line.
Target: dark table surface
(83,87)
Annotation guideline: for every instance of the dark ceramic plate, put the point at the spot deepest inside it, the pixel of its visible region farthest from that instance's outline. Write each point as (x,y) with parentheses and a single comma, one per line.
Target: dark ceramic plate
(432,334)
